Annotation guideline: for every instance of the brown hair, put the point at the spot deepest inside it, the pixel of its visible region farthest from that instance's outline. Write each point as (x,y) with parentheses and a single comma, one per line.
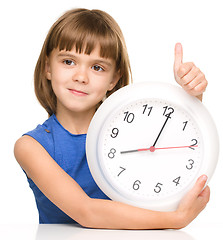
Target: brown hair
(83,29)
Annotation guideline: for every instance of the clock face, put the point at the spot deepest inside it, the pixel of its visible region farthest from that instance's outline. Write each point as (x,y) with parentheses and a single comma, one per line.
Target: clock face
(150,149)
(148,143)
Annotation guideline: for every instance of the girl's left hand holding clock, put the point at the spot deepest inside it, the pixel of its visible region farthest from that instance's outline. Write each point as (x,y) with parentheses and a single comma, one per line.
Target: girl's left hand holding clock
(193,202)
(187,75)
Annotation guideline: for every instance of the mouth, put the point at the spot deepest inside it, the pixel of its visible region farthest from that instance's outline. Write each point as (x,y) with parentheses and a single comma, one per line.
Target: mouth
(77,92)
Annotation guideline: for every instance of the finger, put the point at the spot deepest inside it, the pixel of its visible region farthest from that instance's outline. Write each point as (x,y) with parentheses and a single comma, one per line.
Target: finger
(193,194)
(178,56)
(204,197)
(205,193)
(191,75)
(199,89)
(184,69)
(199,185)
(195,82)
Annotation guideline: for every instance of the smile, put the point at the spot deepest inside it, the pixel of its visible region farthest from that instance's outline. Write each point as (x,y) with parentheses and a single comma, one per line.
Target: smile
(77,93)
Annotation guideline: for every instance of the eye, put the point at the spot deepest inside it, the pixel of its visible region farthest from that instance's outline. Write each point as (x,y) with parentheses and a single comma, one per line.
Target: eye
(97,68)
(68,62)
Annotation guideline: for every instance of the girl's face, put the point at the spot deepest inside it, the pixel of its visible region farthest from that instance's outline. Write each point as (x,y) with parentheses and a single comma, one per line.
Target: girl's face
(80,81)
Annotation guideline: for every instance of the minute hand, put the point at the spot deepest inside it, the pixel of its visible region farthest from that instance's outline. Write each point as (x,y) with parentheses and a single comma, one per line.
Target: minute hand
(167,118)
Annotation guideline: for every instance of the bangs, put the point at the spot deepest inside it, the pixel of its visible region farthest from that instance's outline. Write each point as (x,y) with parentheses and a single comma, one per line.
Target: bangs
(85,33)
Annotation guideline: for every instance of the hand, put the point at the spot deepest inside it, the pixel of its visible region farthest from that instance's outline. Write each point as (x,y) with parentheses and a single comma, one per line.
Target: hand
(194,202)
(188,75)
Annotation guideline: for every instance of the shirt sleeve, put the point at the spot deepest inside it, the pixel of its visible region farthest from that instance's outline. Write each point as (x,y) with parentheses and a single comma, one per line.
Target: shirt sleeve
(44,136)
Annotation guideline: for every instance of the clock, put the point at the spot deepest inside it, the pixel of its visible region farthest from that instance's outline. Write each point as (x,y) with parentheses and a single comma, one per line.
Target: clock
(148,143)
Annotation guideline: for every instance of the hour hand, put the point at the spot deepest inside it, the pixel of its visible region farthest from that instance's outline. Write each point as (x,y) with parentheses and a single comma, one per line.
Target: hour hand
(151,149)
(129,151)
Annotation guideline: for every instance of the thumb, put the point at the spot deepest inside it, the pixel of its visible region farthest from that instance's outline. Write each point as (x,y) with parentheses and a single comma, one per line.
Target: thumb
(178,56)
(200,185)
(195,191)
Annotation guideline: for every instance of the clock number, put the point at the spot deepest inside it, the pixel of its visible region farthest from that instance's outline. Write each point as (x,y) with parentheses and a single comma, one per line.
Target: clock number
(166,113)
(115,132)
(157,188)
(112,152)
(191,163)
(136,185)
(177,180)
(123,169)
(129,117)
(145,107)
(185,124)
(195,143)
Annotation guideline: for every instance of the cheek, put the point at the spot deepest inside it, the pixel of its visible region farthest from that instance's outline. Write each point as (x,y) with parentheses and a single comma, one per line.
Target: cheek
(56,88)
(58,84)
(102,87)
(59,79)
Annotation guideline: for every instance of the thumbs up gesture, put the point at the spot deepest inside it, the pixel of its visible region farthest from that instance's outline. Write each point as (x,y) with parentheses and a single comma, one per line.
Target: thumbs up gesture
(188,75)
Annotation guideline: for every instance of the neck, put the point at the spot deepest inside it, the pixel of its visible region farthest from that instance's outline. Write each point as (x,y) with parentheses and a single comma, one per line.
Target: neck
(75,123)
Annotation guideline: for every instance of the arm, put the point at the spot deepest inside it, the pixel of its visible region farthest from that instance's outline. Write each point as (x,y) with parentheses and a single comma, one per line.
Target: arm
(64,192)
(188,76)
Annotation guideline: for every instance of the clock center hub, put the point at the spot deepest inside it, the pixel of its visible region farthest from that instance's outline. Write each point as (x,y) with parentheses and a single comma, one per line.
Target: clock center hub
(152,149)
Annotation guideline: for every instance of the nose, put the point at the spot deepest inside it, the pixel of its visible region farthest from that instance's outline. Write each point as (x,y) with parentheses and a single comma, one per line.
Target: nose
(81,75)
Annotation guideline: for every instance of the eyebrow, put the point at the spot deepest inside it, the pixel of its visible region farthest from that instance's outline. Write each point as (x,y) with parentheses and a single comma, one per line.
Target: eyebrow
(62,54)
(99,60)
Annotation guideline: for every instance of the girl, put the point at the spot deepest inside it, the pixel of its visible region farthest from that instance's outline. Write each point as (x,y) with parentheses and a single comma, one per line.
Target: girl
(83,60)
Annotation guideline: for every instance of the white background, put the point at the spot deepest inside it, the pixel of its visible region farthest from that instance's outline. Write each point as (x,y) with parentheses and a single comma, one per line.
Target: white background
(151,29)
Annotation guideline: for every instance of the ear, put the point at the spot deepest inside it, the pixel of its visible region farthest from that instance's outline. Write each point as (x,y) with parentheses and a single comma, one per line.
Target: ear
(48,69)
(115,80)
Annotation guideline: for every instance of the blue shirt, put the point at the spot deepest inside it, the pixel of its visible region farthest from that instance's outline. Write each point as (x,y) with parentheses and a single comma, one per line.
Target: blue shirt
(68,150)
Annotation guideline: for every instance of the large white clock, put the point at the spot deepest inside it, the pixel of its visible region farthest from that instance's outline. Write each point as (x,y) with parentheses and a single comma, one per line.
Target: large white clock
(148,143)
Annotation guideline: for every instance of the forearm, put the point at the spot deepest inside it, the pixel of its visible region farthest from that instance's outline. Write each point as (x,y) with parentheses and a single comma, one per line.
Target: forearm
(114,215)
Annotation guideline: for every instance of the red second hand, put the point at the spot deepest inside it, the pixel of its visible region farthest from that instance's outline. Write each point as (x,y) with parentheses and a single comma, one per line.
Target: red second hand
(152,149)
